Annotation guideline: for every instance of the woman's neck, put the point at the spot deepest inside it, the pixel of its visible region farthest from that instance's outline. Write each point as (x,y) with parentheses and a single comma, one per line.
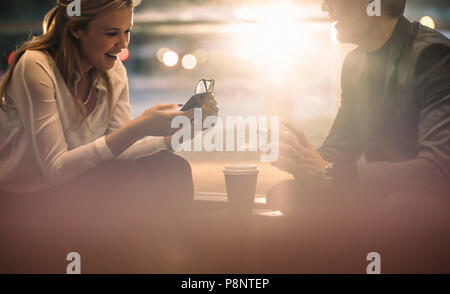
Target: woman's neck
(86,67)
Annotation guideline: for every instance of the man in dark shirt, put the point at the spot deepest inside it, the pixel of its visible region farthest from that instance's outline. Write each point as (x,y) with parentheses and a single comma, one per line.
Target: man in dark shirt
(395,111)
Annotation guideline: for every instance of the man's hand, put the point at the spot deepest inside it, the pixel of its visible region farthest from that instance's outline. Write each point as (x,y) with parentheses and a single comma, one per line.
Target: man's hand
(299,158)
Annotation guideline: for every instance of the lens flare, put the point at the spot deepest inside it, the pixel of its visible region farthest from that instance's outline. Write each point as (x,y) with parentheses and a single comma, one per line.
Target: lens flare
(11,57)
(124,54)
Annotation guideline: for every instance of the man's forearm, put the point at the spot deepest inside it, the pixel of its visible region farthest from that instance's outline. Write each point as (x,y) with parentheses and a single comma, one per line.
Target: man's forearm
(420,175)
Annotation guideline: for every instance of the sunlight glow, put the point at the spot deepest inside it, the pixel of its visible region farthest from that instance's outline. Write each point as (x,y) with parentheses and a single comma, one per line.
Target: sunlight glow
(272,13)
(274,47)
(275,40)
(333,33)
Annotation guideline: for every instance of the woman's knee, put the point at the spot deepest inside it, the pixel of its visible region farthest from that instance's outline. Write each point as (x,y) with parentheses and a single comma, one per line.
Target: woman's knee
(170,172)
(166,161)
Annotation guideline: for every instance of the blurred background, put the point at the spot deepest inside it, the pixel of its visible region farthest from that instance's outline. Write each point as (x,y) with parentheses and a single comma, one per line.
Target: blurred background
(268,57)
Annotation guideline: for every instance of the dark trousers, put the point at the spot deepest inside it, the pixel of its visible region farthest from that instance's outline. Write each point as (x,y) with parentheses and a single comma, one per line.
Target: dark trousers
(111,216)
(411,232)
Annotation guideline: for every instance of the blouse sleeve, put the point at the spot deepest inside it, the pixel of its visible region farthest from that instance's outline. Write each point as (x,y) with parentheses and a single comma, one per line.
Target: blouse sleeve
(121,115)
(36,103)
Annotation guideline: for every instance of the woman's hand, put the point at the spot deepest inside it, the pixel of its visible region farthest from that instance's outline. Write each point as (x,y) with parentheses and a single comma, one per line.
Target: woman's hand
(156,120)
(209,108)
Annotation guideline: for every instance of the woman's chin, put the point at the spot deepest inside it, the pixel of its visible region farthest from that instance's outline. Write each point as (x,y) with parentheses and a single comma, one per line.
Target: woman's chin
(109,67)
(106,66)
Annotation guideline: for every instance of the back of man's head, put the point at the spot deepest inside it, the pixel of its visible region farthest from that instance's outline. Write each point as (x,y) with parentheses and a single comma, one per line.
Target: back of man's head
(393,8)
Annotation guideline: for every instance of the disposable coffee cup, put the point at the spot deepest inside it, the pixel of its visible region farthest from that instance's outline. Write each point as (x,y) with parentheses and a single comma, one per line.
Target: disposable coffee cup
(240,180)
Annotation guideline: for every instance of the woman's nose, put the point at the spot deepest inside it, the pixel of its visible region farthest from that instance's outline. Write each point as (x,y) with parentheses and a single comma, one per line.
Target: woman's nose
(123,42)
(325,5)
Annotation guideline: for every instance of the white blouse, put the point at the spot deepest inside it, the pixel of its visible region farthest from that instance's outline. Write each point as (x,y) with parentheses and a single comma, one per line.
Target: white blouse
(39,146)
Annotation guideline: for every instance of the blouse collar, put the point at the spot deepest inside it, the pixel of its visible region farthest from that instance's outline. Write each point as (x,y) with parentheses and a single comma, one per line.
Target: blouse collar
(98,82)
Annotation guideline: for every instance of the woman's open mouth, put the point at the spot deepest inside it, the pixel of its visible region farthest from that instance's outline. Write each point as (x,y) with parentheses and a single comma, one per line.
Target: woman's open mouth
(112,56)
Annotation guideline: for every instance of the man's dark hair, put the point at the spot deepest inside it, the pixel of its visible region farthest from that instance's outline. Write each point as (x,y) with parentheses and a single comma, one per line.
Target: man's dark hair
(393,8)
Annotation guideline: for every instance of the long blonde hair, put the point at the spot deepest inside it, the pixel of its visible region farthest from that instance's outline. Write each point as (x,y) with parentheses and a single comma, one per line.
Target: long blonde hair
(57,40)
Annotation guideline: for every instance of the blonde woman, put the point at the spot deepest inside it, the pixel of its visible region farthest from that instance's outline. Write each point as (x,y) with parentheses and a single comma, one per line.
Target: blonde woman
(67,140)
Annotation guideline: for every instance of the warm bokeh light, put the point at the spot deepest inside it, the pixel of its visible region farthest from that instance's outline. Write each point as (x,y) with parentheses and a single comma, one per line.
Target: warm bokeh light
(274,12)
(124,54)
(11,57)
(170,58)
(201,55)
(189,61)
(160,53)
(428,22)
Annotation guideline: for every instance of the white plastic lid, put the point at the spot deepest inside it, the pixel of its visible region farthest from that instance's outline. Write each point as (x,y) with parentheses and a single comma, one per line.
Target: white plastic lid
(240,168)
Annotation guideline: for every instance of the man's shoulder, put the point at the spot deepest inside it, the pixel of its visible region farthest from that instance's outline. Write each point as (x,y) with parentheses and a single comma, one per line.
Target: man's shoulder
(429,47)
(425,40)
(426,37)
(428,42)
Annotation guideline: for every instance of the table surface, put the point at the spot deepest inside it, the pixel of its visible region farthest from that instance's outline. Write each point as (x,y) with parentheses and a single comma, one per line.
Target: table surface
(209,237)
(212,238)
(215,239)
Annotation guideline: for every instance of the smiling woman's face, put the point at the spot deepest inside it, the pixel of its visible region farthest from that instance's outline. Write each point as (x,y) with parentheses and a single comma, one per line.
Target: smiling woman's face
(106,36)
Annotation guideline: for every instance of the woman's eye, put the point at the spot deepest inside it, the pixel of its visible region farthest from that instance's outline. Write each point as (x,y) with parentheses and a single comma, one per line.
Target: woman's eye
(115,34)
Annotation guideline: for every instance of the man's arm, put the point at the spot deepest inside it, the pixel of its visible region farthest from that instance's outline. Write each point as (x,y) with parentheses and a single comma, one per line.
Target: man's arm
(429,172)
(342,143)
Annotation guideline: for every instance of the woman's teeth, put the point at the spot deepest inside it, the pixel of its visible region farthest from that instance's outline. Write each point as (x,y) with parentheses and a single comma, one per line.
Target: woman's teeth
(112,55)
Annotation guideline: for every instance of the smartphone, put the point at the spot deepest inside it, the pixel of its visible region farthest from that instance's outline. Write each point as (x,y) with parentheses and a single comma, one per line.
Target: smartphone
(196,101)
